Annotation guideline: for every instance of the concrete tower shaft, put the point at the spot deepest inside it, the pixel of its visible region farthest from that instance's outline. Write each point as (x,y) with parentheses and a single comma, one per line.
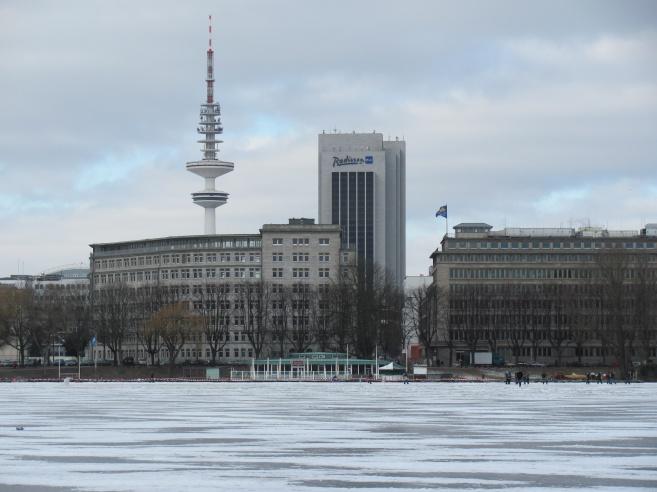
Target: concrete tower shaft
(210,167)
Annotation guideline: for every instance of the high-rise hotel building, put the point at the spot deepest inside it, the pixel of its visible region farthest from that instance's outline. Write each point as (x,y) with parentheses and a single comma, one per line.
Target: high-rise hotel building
(362,187)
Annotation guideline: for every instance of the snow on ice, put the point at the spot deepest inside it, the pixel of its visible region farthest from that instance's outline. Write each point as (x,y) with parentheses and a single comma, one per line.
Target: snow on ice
(327,436)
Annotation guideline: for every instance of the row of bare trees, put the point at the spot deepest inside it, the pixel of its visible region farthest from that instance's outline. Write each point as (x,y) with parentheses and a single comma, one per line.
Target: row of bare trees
(614,310)
(35,322)
(360,311)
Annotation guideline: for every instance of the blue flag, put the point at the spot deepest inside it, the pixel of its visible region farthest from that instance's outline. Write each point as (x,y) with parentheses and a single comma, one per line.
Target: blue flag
(442,211)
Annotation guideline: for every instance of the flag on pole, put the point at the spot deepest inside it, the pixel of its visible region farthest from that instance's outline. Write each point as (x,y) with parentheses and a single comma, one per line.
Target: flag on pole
(442,211)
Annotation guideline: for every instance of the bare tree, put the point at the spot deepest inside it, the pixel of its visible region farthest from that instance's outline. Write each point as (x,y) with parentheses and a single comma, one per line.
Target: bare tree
(472,307)
(176,325)
(47,322)
(321,319)
(112,308)
(15,319)
(301,336)
(513,313)
(256,307)
(531,298)
(78,319)
(644,304)
(341,310)
(281,305)
(613,266)
(559,332)
(213,307)
(422,308)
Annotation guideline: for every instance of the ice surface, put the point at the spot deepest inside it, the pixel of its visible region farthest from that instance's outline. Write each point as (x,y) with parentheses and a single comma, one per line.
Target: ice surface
(327,436)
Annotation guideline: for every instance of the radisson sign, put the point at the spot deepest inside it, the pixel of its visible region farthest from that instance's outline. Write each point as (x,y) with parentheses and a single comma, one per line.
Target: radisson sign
(350,161)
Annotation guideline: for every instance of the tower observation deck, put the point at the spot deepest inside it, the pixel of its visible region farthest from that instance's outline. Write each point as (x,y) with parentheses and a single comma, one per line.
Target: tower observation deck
(210,167)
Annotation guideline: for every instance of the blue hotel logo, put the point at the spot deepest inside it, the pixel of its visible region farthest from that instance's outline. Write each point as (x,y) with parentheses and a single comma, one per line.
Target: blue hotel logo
(350,161)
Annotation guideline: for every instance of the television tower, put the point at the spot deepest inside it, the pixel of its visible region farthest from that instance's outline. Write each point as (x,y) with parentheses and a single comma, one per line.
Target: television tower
(210,167)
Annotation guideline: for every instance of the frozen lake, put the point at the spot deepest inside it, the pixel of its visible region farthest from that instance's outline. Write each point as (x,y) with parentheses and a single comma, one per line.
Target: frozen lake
(327,436)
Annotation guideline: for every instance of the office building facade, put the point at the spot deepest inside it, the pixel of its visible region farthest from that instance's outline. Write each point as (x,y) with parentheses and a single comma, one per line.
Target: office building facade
(294,258)
(362,187)
(545,295)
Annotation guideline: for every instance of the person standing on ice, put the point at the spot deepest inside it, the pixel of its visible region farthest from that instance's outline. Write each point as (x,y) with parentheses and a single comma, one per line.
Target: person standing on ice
(519,378)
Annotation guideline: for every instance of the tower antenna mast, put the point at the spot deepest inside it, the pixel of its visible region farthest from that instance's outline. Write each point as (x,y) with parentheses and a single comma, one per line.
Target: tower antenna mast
(210,167)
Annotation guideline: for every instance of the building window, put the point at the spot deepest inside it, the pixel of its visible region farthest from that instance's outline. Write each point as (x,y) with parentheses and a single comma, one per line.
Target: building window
(197,273)
(277,241)
(239,272)
(240,257)
(198,258)
(300,241)
(277,256)
(224,273)
(224,257)
(300,272)
(323,241)
(184,273)
(324,257)
(210,272)
(277,272)
(300,288)
(300,257)
(323,273)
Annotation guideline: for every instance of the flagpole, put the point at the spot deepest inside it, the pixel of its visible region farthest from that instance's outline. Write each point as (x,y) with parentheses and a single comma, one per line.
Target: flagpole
(446,220)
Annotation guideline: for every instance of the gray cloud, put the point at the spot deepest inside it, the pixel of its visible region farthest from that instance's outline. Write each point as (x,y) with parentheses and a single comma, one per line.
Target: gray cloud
(514,112)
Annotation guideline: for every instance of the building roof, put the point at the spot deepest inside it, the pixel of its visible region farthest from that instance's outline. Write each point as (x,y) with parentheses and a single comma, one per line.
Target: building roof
(468,225)
(175,238)
(301,227)
(320,358)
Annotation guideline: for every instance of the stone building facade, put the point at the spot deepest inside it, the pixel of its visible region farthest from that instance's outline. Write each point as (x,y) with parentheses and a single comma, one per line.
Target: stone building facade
(284,256)
(542,296)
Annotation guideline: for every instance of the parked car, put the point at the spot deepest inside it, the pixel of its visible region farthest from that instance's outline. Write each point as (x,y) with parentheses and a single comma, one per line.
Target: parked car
(128,361)
(70,362)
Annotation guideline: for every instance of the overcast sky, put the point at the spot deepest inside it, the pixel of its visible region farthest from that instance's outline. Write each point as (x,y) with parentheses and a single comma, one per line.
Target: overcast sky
(515,113)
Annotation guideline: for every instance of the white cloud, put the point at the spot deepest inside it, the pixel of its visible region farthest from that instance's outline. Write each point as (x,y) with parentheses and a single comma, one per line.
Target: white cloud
(513,113)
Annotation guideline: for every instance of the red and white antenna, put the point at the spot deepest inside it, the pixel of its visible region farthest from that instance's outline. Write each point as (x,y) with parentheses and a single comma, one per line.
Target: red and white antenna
(209,31)
(210,77)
